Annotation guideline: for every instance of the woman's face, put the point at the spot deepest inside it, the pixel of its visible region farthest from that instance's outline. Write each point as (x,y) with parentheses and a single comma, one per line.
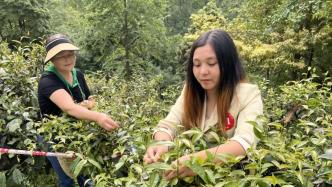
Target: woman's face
(64,61)
(206,67)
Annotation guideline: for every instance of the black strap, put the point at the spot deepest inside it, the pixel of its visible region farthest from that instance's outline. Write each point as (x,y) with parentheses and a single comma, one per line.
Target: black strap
(56,42)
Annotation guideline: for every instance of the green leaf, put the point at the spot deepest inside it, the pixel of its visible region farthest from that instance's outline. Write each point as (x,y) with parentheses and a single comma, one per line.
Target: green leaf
(163,143)
(237,173)
(14,124)
(327,154)
(189,180)
(221,184)
(210,176)
(274,180)
(3,179)
(317,141)
(299,175)
(159,166)
(93,162)
(224,157)
(188,143)
(276,163)
(79,167)
(18,176)
(154,179)
(192,132)
(101,184)
(199,170)
(121,162)
(215,136)
(197,137)
(209,156)
(329,171)
(266,166)
(174,181)
(138,168)
(232,184)
(263,183)
(163,183)
(258,131)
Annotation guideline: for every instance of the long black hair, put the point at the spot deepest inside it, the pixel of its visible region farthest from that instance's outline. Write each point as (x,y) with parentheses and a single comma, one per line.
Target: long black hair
(231,73)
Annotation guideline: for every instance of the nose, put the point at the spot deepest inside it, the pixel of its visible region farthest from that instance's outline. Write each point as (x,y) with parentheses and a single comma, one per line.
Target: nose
(204,69)
(66,59)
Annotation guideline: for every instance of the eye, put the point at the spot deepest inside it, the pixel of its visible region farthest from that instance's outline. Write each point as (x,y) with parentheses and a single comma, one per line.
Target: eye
(212,64)
(196,64)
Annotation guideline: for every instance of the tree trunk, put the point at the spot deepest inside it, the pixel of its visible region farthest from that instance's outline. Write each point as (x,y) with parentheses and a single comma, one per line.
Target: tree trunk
(126,40)
(308,57)
(21,24)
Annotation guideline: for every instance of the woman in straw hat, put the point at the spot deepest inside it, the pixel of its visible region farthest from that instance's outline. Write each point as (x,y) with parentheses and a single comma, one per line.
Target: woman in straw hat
(63,89)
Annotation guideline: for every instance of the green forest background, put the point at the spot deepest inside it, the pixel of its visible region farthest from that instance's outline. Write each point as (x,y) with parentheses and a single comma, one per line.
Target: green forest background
(134,52)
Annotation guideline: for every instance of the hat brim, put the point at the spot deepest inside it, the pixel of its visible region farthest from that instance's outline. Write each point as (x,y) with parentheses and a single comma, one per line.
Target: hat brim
(58,48)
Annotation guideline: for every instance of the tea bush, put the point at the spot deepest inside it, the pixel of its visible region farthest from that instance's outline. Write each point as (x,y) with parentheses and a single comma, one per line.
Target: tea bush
(294,149)
(19,72)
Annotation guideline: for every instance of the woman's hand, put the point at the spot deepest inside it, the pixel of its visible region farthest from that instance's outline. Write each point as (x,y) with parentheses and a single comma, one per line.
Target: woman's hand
(89,104)
(154,153)
(106,122)
(180,170)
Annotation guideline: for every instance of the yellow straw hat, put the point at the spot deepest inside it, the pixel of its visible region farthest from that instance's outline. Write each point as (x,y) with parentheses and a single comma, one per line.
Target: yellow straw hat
(57,45)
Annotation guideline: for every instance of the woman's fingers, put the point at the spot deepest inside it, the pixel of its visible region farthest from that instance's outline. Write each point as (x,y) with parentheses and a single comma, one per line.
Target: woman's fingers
(88,104)
(180,171)
(186,173)
(169,174)
(176,172)
(113,123)
(154,153)
(157,156)
(106,122)
(172,173)
(108,126)
(148,157)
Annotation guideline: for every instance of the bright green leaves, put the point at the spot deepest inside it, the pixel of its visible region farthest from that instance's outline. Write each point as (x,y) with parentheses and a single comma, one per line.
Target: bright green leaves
(14,124)
(327,154)
(79,167)
(18,176)
(3,179)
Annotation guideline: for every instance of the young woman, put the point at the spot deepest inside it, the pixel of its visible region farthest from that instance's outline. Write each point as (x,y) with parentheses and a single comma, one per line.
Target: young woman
(216,93)
(62,89)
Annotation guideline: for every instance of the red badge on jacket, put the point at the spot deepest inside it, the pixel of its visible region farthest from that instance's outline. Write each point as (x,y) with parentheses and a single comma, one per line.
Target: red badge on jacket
(230,121)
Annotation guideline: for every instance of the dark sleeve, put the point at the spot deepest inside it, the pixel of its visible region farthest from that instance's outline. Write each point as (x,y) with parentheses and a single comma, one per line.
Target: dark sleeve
(49,84)
(83,84)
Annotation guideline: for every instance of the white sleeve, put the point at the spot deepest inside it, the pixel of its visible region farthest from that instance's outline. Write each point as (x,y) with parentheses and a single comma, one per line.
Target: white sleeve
(173,119)
(244,133)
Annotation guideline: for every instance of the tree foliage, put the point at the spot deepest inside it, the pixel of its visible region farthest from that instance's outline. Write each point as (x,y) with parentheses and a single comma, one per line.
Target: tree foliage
(23,18)
(127,35)
(281,39)
(178,14)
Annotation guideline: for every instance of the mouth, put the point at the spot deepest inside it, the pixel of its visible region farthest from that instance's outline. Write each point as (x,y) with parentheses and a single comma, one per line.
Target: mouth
(205,80)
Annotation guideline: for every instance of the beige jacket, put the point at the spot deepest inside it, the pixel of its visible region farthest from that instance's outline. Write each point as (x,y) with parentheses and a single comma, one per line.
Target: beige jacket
(245,106)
